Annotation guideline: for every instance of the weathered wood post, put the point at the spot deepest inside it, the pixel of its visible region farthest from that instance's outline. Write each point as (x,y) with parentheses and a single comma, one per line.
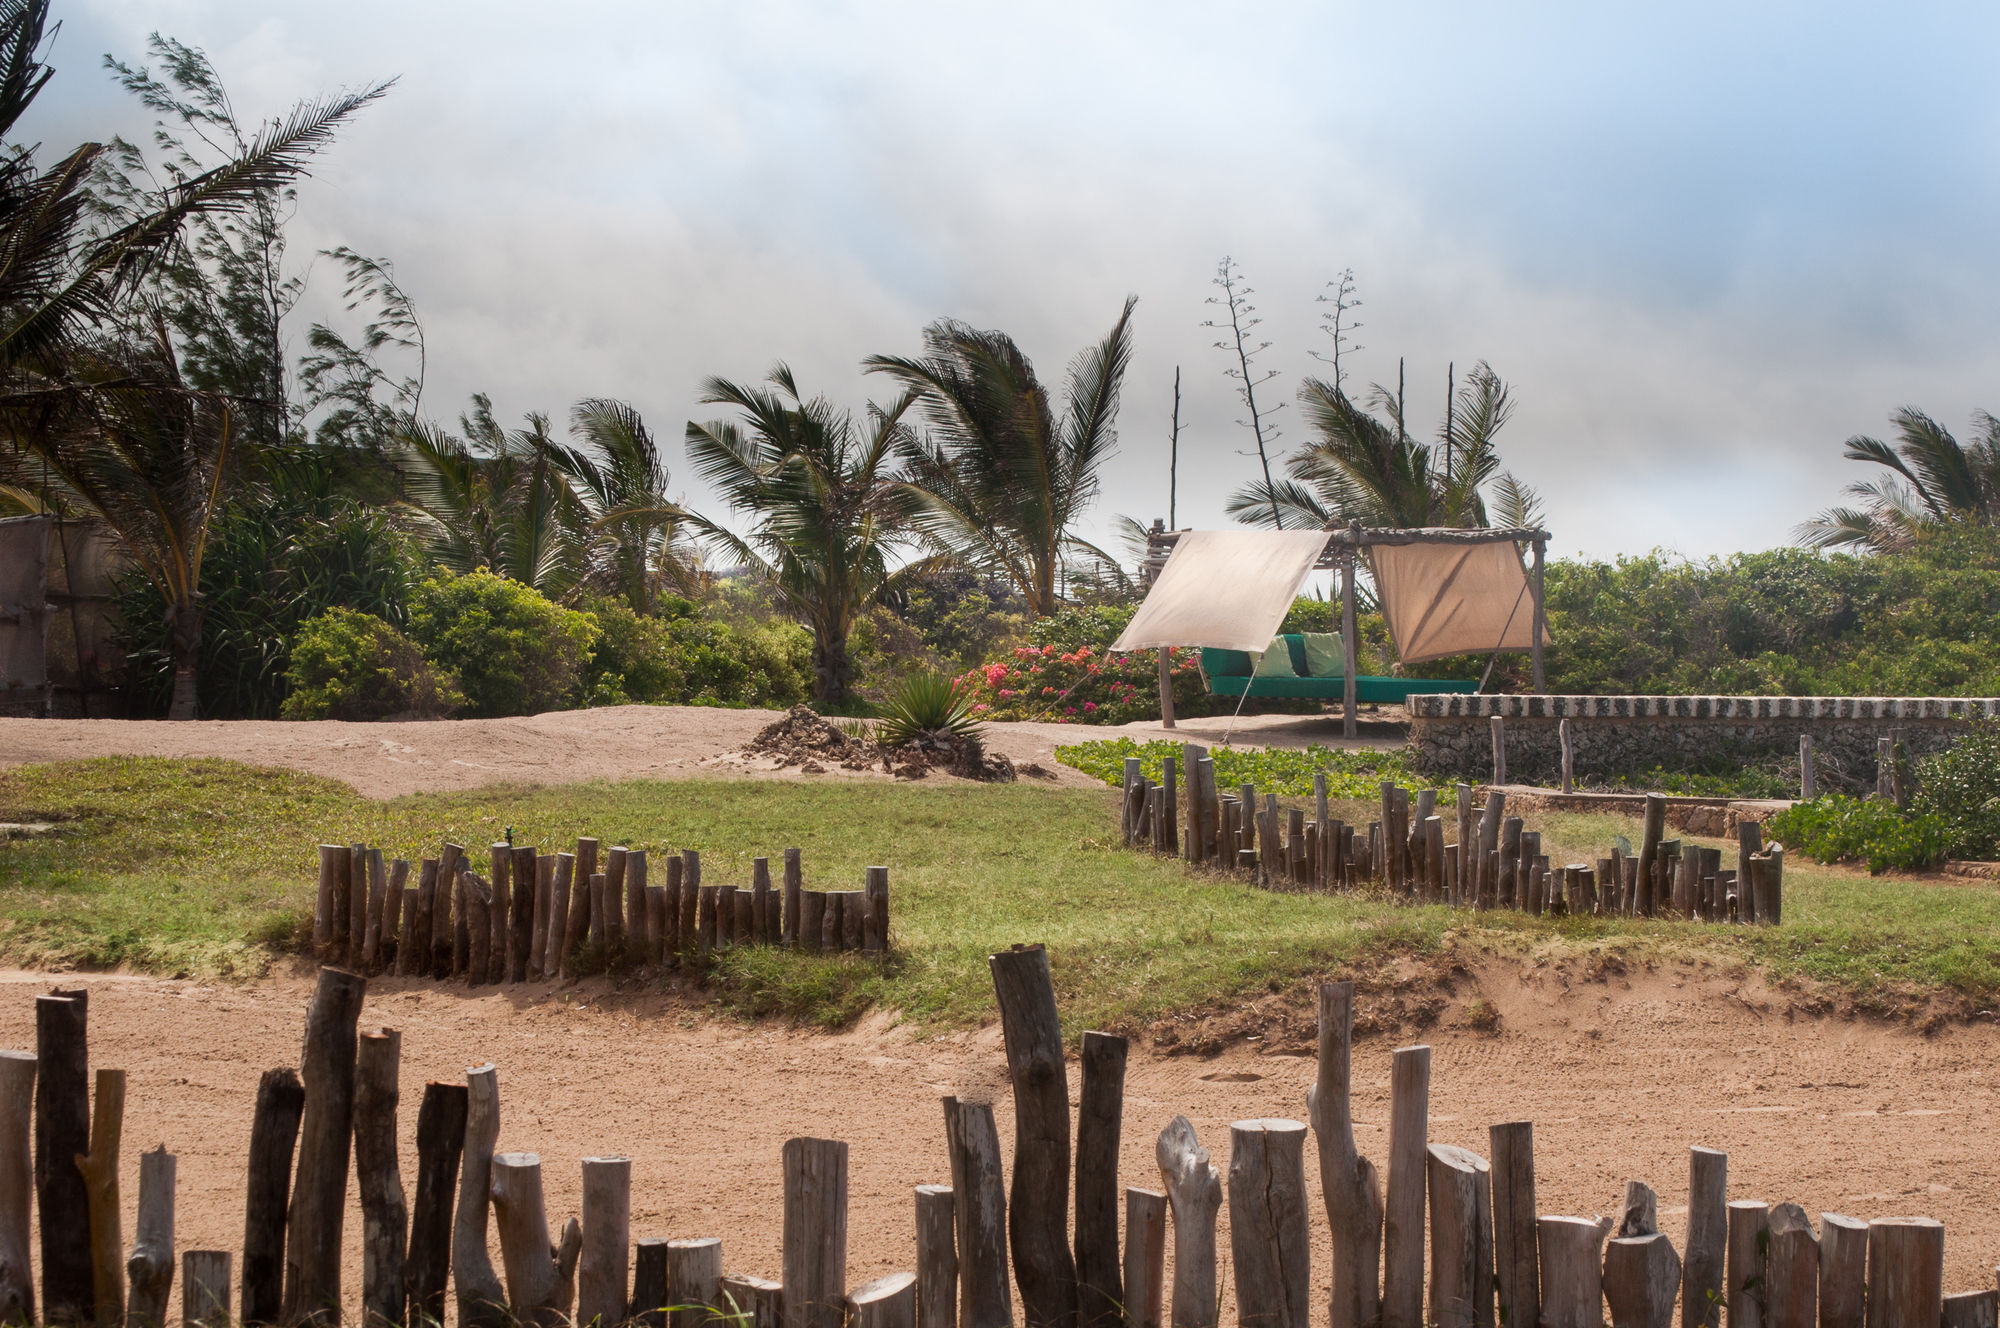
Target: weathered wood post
(326,1135)
(545,894)
(498,912)
(1270,1245)
(1568,760)
(1145,1258)
(1100,1117)
(377,899)
(875,893)
(1460,1185)
(205,1288)
(274,1133)
(1403,1224)
(1194,1193)
(525,1251)
(479,910)
(1808,789)
(100,1184)
(649,1282)
(384,1213)
(1843,1271)
(151,1267)
(607,1230)
(1128,820)
(1516,1274)
(519,930)
(694,1281)
(937,1257)
(1038,1207)
(1641,1280)
(1572,1272)
(1486,880)
(1905,1272)
(886,1302)
(1749,843)
(17,1182)
(1791,1270)
(440,1139)
(62,1131)
(1499,751)
(1749,1227)
(979,1198)
(815,1233)
(1972,1309)
(1653,828)
(1707,1238)
(1348,1183)
(481,1301)
(795,882)
(413,943)
(332,895)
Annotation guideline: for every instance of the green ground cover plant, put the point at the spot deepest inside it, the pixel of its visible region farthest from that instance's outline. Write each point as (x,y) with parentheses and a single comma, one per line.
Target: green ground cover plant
(207,867)
(1837,828)
(1355,773)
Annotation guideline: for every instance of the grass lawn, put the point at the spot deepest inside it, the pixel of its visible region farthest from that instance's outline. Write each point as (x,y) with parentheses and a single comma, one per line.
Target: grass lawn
(208,868)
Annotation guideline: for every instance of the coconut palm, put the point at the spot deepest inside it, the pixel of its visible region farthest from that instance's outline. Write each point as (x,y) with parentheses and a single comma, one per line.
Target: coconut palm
(1004,477)
(1942,480)
(826,510)
(640,535)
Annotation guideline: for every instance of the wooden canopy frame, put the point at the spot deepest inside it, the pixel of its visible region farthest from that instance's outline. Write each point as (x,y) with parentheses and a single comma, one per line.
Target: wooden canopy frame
(1343,547)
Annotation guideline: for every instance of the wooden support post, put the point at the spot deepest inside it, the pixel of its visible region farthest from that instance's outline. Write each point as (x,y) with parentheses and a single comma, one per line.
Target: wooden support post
(980,1201)
(1100,1116)
(498,912)
(794,895)
(1749,1227)
(357,905)
(708,931)
(384,1212)
(853,919)
(554,952)
(479,907)
(1194,1193)
(1568,759)
(1972,1309)
(100,1183)
(332,895)
(1269,1243)
(1487,884)
(576,927)
(1038,1207)
(1348,1183)
(481,1301)
(1460,1189)
(393,906)
(1540,628)
(449,939)
(760,899)
(937,1257)
(1509,886)
(1749,843)
(1572,1272)
(875,894)
(274,1133)
(691,938)
(755,1302)
(1808,784)
(1322,817)
(545,893)
(1517,1277)
(649,1282)
(815,1233)
(694,1281)
(1166,687)
(326,1136)
(607,1240)
(1905,1272)
(62,1130)
(1499,727)
(1843,1271)
(886,1302)
(205,1289)
(614,905)
(414,943)
(525,1250)
(1791,1270)
(1145,1258)
(1642,1276)
(746,922)
(1434,863)
(1133,782)
(17,1182)
(517,930)
(638,923)
(440,1140)
(812,919)
(1403,1224)
(1349,653)
(1166,823)
(374,900)
(151,1267)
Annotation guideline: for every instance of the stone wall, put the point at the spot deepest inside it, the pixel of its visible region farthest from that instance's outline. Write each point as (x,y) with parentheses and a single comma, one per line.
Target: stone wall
(1451,736)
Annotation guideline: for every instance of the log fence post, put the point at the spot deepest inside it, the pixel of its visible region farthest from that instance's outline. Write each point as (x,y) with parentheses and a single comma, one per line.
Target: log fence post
(274,1134)
(1749,1233)
(525,1249)
(886,1302)
(1403,1209)
(62,1130)
(1270,1244)
(815,1234)
(1517,1276)
(1572,1276)
(1348,1182)
(1641,1280)
(1194,1193)
(1460,1188)
(694,1282)
(326,1136)
(100,1182)
(794,895)
(937,1257)
(1100,1118)
(607,1230)
(150,1269)
(1843,1271)
(1038,1207)
(17,1183)
(979,1198)
(384,1209)
(1145,1258)
(440,1140)
(481,1301)
(205,1289)
(1905,1272)
(1791,1270)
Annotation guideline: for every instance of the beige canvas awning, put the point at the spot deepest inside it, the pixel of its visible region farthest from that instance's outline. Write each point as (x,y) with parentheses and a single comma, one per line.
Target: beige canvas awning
(1454,599)
(1226,589)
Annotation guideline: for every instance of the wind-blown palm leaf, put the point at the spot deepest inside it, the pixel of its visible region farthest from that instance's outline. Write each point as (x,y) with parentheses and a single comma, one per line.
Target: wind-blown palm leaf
(1945,481)
(639,533)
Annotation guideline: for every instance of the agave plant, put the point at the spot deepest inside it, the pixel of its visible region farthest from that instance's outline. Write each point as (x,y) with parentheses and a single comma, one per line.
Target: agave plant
(927,704)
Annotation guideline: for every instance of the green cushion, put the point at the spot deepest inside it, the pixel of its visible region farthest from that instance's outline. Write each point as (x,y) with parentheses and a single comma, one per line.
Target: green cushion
(1324,656)
(1226,663)
(1275,661)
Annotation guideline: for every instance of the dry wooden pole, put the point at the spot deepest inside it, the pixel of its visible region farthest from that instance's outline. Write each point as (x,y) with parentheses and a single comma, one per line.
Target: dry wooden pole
(707,933)
(1348,1183)
(746,922)
(1100,1116)
(1323,860)
(500,858)
(600,922)
(1166,828)
(205,1288)
(440,1141)
(876,895)
(1885,767)
(1905,1272)
(326,1134)
(1269,1243)
(1145,1258)
(1642,1277)
(576,927)
(1510,885)
(1489,844)
(886,1302)
(694,1281)
(1460,1190)
(481,1302)
(1743,1295)
(794,895)
(758,1302)
(649,1282)
(937,1258)
(448,935)
(1194,833)
(62,1130)
(1652,828)
(554,952)
(151,1265)
(538,926)
(1038,1206)
(607,1229)
(377,897)
(1572,1272)
(1972,1309)
(479,907)
(1749,843)
(384,1213)
(522,1218)
(1403,1209)
(615,863)
(517,924)
(357,905)
(638,925)
(1808,785)
(17,1181)
(656,924)
(1194,1193)
(1568,765)
(853,919)
(1791,1270)
(812,919)
(393,911)
(274,1132)
(1462,887)
(100,1182)
(980,1201)
(332,894)
(690,895)
(1434,860)
(413,944)
(1517,1276)
(760,899)
(1843,1271)
(815,1232)
(1499,750)
(568,1251)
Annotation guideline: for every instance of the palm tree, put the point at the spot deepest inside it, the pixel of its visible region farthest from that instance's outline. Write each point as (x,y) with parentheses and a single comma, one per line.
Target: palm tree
(826,510)
(1363,468)
(1003,479)
(641,535)
(1942,480)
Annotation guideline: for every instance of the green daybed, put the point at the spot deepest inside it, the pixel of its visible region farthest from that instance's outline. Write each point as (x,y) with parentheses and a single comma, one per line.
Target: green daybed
(1229,671)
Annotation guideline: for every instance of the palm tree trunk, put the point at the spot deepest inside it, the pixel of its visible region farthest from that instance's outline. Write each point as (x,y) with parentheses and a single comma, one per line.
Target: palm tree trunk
(833,671)
(184,632)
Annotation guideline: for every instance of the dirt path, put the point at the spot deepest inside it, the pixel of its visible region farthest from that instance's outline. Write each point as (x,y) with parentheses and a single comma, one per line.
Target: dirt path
(561,747)
(1619,1079)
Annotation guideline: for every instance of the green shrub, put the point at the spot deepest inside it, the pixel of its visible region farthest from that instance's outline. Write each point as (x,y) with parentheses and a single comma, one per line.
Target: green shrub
(1961,787)
(924,703)
(684,658)
(1837,828)
(1287,772)
(350,665)
(1093,625)
(514,652)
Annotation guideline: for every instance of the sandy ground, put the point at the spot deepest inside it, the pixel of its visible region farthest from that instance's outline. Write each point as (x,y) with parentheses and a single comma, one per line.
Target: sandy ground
(563,747)
(1619,1078)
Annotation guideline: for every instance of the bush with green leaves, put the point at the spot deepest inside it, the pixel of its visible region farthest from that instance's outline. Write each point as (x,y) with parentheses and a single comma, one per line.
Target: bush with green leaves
(1287,772)
(351,665)
(1837,828)
(679,656)
(513,650)
(1961,787)
(1093,625)
(927,703)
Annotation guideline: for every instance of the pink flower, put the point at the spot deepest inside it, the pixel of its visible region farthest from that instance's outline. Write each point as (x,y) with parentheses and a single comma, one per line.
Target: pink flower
(1089,706)
(979,709)
(994,674)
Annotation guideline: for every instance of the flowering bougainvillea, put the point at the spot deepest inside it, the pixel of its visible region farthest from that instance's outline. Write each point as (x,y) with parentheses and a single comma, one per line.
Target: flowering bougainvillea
(1082,686)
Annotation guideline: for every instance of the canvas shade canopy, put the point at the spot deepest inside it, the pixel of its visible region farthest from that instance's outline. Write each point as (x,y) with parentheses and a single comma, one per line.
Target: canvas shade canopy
(1454,599)
(1226,589)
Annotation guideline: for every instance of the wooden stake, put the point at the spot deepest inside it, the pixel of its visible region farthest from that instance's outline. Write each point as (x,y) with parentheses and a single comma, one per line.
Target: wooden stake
(1269,1243)
(1348,1182)
(568,1251)
(62,1130)
(690,893)
(520,923)
(376,899)
(1038,1207)
(481,1302)
(694,1282)
(274,1132)
(649,1280)
(576,927)
(1403,1213)
(980,1201)
(746,921)
(757,1302)
(1749,843)
(815,1232)
(545,895)
(440,1141)
(17,1181)
(708,935)
(1749,1228)
(607,1231)
(812,919)
(638,923)
(1100,1118)
(1572,1276)
(326,1134)
(384,1213)
(461,935)
(937,1258)
(1460,1188)
(1843,1271)
(1808,785)
(413,946)
(1791,1266)
(657,914)
(1194,1193)
(1972,1309)
(332,894)
(760,899)
(886,1302)
(357,905)
(479,907)
(600,922)
(1517,1277)
(614,905)
(525,1250)
(555,955)
(100,1183)
(205,1288)
(1642,1276)
(1489,844)
(1145,1258)
(449,941)
(877,894)
(1499,751)
(794,895)
(151,1267)
(1568,769)
(393,913)
(1905,1272)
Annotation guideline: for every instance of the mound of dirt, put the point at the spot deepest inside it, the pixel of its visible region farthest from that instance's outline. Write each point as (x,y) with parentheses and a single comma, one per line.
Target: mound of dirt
(804,738)
(965,757)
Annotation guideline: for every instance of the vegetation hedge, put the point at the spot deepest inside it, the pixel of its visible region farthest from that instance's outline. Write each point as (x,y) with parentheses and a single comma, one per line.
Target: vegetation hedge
(513,651)
(350,665)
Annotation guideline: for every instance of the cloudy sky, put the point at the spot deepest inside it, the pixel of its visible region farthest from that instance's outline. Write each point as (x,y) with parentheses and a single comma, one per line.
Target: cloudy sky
(1704,243)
